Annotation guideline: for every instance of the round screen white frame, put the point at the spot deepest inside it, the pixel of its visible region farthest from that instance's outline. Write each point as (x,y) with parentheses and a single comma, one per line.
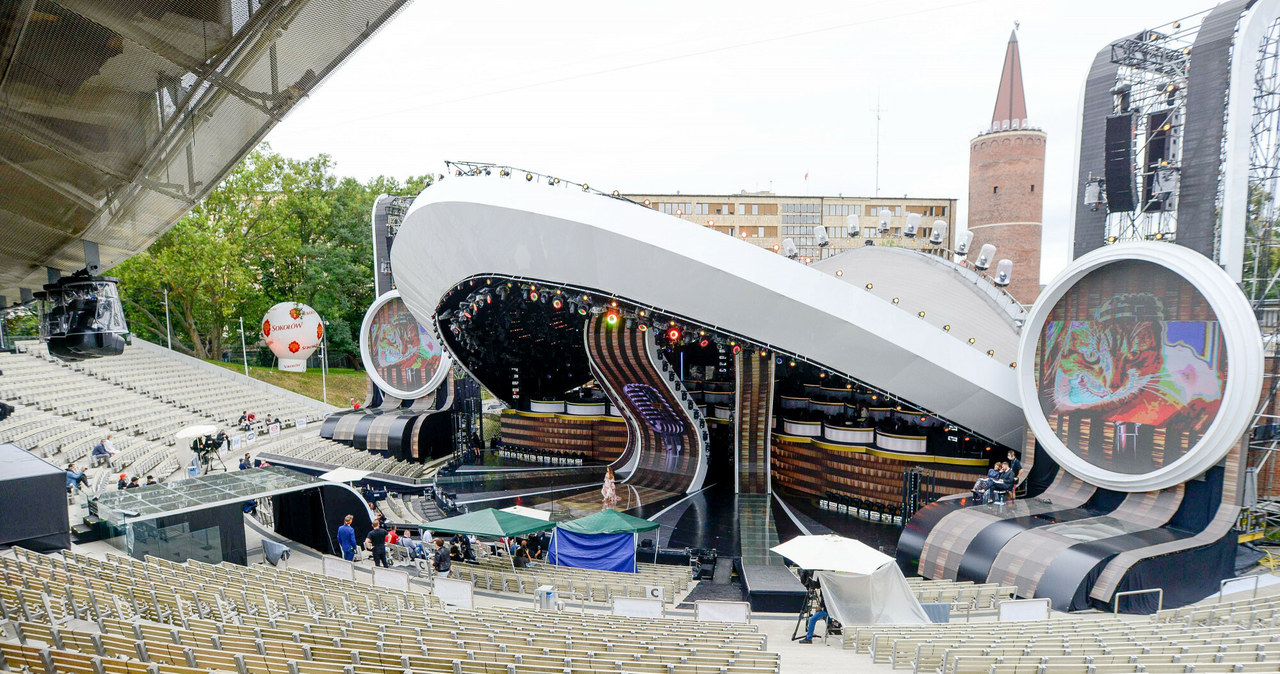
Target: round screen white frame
(1241,337)
(436,379)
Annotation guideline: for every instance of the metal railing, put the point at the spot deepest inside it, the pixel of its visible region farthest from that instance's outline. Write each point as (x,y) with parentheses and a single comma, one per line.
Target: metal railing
(1115,600)
(1222,585)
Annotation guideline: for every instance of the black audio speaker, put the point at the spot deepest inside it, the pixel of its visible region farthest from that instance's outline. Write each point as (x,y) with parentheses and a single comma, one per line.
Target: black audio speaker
(1158,147)
(1118,163)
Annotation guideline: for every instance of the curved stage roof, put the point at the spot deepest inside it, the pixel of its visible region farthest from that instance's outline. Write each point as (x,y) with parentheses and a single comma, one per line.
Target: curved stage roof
(466,227)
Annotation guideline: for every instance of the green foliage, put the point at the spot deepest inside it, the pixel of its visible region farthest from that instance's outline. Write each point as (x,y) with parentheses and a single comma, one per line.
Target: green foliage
(275,230)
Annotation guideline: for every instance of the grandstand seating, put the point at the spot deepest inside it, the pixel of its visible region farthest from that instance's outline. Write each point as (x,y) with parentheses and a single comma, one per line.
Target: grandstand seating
(35,378)
(169,618)
(313,449)
(177,383)
(1231,637)
(496,573)
(963,596)
(62,440)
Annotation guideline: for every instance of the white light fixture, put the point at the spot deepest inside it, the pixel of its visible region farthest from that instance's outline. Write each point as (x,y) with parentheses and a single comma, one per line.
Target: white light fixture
(963,241)
(913,225)
(1004,272)
(939,233)
(985,256)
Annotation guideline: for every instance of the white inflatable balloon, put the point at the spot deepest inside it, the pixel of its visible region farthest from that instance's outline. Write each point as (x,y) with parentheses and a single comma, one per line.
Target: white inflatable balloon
(292,331)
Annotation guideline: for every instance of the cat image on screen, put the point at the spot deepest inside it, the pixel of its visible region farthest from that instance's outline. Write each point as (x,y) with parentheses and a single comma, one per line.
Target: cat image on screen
(1132,366)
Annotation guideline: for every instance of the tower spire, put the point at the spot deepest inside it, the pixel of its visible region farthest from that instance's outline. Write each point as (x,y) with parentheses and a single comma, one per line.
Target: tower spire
(1011,104)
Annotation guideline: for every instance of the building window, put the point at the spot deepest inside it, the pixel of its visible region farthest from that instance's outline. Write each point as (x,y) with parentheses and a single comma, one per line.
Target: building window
(760,231)
(995,189)
(1033,188)
(755,209)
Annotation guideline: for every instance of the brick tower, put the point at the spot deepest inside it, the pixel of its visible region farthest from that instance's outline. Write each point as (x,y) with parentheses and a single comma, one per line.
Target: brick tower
(1006,183)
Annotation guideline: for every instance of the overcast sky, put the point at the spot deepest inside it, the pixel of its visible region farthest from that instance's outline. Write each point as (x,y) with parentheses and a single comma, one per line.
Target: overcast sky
(715,97)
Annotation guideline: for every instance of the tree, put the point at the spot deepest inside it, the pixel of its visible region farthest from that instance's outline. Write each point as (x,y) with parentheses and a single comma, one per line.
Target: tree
(276,229)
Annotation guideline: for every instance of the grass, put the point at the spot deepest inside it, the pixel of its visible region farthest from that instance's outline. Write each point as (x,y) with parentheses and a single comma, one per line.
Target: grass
(344,383)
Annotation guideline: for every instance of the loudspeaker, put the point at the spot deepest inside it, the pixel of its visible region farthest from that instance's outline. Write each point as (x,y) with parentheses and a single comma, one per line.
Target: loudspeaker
(1158,150)
(1118,163)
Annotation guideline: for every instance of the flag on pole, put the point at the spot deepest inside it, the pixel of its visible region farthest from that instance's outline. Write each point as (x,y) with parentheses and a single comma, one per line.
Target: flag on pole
(806,175)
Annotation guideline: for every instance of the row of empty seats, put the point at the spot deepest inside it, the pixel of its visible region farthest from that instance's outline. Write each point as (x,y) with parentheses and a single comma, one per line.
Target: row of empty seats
(312,448)
(495,572)
(63,440)
(37,379)
(179,383)
(963,595)
(1076,644)
(187,617)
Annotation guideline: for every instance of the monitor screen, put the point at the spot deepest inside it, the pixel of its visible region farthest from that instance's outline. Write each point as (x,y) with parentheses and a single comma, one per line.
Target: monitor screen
(1131,367)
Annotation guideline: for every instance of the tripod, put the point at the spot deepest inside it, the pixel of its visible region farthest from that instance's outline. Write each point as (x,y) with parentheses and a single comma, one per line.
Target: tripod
(802,619)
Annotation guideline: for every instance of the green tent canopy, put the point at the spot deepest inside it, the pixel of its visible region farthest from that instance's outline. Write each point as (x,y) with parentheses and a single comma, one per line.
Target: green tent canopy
(490,523)
(609,522)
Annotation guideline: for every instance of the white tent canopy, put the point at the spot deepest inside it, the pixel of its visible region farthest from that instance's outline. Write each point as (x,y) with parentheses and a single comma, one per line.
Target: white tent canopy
(861,585)
(344,475)
(830,552)
(528,512)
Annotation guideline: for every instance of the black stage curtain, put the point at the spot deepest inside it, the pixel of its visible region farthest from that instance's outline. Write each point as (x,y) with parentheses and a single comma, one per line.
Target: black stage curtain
(312,516)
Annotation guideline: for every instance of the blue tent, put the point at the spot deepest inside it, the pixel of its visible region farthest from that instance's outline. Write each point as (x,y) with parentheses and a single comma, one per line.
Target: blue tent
(605,540)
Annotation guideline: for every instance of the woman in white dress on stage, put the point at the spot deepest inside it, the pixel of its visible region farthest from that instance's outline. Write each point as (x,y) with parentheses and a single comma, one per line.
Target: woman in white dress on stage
(610,489)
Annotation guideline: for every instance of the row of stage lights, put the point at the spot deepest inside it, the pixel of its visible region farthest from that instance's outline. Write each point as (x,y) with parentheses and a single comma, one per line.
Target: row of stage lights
(676,333)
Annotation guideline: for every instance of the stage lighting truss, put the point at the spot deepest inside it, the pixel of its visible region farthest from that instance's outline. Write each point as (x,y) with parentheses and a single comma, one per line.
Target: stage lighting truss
(675,330)
(1151,85)
(465,169)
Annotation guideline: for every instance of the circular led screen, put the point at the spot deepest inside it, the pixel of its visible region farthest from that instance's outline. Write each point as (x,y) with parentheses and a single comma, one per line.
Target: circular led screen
(401,356)
(1133,373)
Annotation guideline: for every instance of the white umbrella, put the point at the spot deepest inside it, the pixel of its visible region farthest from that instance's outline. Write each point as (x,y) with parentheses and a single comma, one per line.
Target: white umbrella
(832,553)
(195,431)
(344,474)
(528,512)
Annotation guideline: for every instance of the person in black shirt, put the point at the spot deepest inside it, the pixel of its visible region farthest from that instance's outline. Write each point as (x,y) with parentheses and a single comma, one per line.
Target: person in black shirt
(440,559)
(377,539)
(123,483)
(133,483)
(1015,465)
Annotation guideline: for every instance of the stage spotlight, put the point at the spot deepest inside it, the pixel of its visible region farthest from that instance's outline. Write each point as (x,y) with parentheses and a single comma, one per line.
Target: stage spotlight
(582,310)
(557,303)
(870,286)
(920,314)
(895,300)
(839,272)
(616,193)
(1004,272)
(673,333)
(611,318)
(851,222)
(913,225)
(585,187)
(737,350)
(703,343)
(533,296)
(963,241)
(946,328)
(882,226)
(528,177)
(972,340)
(778,360)
(985,256)
(939,233)
(991,352)
(642,327)
(544,298)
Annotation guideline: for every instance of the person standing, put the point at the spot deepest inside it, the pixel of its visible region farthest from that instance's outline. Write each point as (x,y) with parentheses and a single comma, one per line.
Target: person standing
(1015,465)
(377,540)
(610,489)
(347,539)
(440,559)
(245,463)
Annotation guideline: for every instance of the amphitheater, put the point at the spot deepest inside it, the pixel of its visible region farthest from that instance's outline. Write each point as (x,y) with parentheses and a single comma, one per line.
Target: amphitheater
(92,610)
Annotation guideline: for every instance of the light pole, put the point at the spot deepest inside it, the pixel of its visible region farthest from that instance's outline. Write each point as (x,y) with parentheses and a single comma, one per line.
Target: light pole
(244,353)
(324,361)
(167,333)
